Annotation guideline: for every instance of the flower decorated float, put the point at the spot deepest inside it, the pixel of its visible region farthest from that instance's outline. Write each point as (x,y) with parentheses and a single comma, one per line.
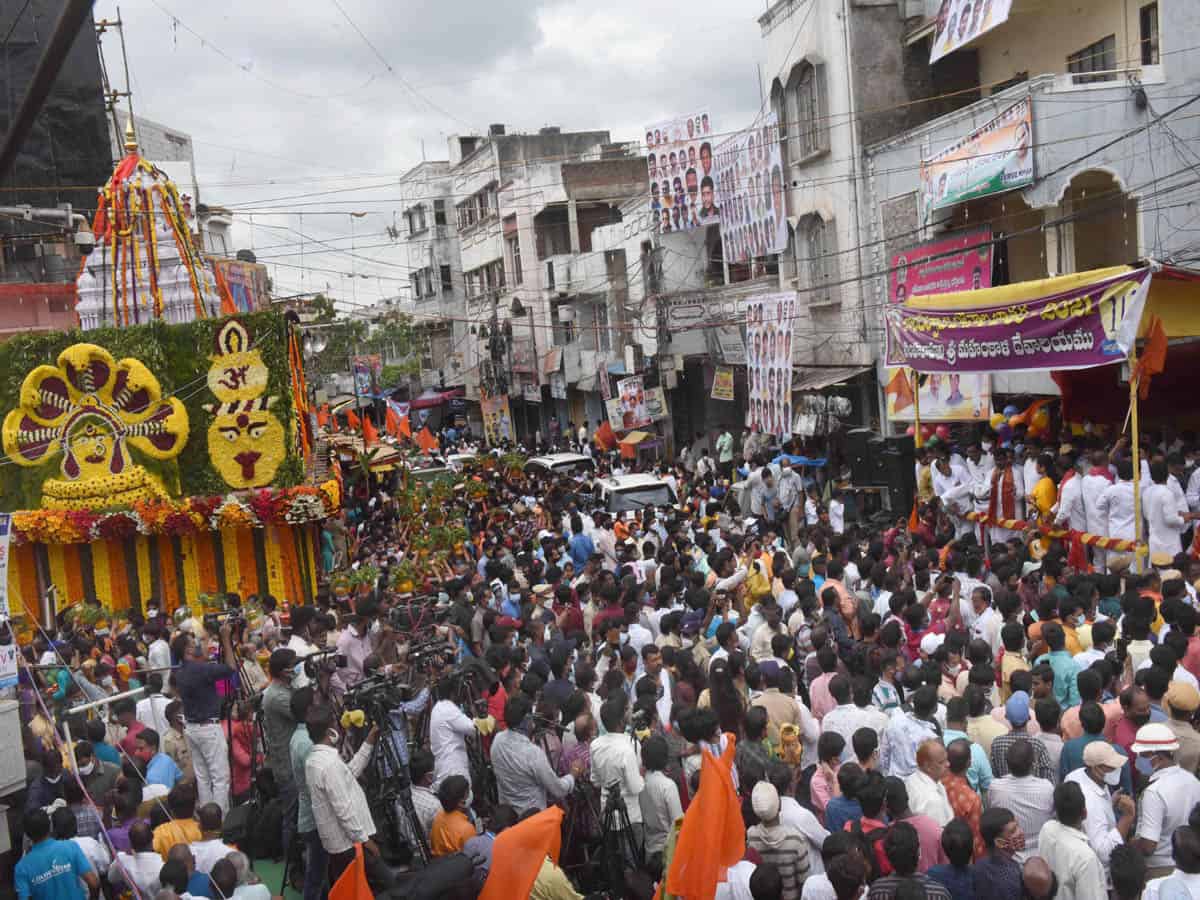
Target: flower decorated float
(157,455)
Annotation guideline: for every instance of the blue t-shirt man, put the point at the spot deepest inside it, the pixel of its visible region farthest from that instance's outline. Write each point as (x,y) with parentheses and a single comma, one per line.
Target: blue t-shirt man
(580,549)
(163,770)
(53,870)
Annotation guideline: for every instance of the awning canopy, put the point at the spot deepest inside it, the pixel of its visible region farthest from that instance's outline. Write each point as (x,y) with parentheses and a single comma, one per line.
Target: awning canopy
(817,378)
(1175,298)
(341,403)
(435,398)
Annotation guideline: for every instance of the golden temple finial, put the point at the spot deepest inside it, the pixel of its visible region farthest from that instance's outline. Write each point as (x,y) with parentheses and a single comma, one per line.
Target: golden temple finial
(131,143)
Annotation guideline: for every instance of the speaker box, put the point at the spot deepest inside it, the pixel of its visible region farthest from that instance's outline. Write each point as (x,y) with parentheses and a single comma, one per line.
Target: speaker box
(899,473)
(858,453)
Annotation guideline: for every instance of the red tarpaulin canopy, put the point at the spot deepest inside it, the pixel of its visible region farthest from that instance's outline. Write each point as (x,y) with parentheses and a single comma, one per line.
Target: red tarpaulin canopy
(435,398)
(1098,395)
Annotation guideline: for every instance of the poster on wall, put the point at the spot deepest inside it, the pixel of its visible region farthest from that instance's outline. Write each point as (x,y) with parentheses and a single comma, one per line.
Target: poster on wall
(497,419)
(990,160)
(769,320)
(750,193)
(959,22)
(632,397)
(558,385)
(722,386)
(368,374)
(656,404)
(679,163)
(961,262)
(8,665)
(948,397)
(531,392)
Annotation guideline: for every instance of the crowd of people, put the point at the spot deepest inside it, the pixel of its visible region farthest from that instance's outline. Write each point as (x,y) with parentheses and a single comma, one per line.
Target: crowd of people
(920,708)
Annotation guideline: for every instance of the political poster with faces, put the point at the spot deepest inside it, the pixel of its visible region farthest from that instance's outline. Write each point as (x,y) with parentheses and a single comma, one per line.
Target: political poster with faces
(679,162)
(750,193)
(769,320)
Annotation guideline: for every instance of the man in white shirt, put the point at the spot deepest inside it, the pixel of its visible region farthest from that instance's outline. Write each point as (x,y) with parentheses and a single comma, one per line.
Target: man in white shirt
(1161,509)
(659,800)
(988,620)
(977,463)
(1185,880)
(142,865)
(158,653)
(1064,845)
(1167,802)
(791,498)
(449,729)
(837,513)
(1069,511)
(1115,504)
(339,805)
(1095,482)
(926,795)
(1101,770)
(303,641)
(210,847)
(615,763)
(151,710)
(953,487)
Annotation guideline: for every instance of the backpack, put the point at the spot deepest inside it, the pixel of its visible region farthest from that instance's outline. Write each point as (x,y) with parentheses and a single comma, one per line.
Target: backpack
(872,846)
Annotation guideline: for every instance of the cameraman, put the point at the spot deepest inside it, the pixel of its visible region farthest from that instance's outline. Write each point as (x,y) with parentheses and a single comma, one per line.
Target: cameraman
(398,714)
(278,726)
(615,763)
(308,630)
(357,641)
(449,729)
(196,681)
(524,778)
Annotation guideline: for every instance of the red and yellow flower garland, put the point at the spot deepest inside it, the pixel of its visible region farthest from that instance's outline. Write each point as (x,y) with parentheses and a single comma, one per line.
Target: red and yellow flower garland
(247,509)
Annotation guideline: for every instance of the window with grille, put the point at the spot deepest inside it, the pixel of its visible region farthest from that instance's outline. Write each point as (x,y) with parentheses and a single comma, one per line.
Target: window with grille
(805,106)
(817,261)
(439,212)
(1095,62)
(447,280)
(514,258)
(1148,33)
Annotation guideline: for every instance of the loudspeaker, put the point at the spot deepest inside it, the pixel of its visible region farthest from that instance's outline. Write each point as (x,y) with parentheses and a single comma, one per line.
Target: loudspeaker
(858,453)
(876,449)
(900,473)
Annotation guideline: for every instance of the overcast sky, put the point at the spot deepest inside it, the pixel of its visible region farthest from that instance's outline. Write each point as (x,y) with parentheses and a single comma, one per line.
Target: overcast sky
(286,98)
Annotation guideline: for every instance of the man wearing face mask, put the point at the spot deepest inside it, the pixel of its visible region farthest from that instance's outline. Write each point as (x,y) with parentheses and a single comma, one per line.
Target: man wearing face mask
(160,768)
(1167,801)
(339,805)
(997,873)
(98,776)
(48,788)
(1100,775)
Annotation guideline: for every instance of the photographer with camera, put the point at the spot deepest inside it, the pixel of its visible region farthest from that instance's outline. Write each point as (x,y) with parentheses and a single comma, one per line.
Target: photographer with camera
(398,702)
(524,777)
(449,728)
(308,633)
(278,727)
(196,680)
(363,636)
(616,764)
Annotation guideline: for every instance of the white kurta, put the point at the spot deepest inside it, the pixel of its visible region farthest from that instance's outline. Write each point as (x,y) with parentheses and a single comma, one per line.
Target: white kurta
(1163,519)
(1116,505)
(1070,510)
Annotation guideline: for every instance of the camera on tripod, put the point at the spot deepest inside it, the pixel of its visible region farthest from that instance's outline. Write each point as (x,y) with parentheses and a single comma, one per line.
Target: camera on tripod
(324,661)
(232,616)
(376,695)
(432,654)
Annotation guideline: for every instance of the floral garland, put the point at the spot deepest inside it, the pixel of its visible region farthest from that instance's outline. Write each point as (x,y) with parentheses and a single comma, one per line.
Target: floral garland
(246,509)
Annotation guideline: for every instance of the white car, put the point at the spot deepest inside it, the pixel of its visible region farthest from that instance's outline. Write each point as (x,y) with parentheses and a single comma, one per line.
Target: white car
(555,464)
(629,493)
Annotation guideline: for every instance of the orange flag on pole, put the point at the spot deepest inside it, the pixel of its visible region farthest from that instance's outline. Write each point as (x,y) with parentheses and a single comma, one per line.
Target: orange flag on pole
(404,429)
(391,423)
(713,835)
(901,389)
(914,521)
(353,420)
(352,883)
(426,441)
(518,854)
(1154,356)
(370,435)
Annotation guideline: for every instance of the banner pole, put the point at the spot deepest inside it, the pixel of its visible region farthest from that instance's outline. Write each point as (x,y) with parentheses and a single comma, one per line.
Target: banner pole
(918,441)
(1137,461)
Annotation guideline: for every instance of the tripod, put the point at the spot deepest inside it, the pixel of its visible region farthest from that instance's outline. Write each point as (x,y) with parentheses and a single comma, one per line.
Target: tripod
(392,791)
(623,849)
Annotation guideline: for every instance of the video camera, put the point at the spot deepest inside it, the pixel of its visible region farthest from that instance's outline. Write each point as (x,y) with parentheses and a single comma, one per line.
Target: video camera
(435,653)
(327,661)
(232,616)
(376,695)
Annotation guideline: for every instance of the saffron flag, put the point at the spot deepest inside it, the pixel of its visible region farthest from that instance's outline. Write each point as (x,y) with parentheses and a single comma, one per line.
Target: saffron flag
(404,428)
(1154,356)
(352,420)
(518,854)
(914,520)
(391,423)
(323,415)
(605,437)
(901,389)
(352,883)
(426,441)
(370,435)
(713,835)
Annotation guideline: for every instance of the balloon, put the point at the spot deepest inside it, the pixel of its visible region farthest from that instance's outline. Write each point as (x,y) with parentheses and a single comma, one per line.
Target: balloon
(910,431)
(1077,429)
(931,441)
(928,430)
(1015,421)
(943,432)
(1004,432)
(996,420)
(1041,420)
(1010,410)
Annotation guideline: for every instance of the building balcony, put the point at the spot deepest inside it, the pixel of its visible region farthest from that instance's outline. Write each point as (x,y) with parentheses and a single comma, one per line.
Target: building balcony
(574,273)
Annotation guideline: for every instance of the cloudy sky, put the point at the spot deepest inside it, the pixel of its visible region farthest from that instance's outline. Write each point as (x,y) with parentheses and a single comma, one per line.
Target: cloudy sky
(288,98)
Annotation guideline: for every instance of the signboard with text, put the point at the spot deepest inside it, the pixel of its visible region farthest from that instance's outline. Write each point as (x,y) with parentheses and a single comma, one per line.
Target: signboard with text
(961,262)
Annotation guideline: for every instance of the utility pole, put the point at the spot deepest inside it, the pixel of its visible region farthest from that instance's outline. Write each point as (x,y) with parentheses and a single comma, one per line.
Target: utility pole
(73,16)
